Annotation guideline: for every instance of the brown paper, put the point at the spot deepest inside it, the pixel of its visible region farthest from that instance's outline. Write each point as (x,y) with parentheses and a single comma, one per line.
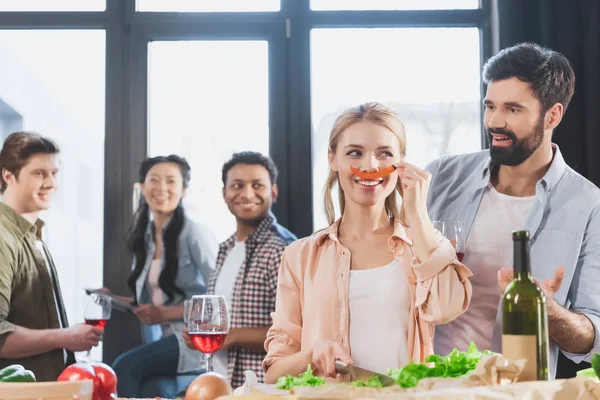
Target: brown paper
(492,370)
(571,389)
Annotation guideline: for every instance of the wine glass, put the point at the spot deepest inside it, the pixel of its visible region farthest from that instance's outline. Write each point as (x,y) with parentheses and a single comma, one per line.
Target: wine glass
(208,324)
(453,231)
(186,310)
(97,313)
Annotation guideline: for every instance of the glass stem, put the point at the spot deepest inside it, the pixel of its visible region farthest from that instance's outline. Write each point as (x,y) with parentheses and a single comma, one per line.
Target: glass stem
(208,362)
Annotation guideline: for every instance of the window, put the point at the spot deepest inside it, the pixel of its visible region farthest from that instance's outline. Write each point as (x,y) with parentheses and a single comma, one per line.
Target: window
(10,120)
(208,100)
(55,82)
(208,5)
(393,4)
(429,76)
(52,5)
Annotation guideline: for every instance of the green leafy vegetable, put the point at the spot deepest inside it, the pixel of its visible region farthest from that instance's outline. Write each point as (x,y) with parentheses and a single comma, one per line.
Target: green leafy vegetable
(596,364)
(452,365)
(588,372)
(455,364)
(304,379)
(373,382)
(593,372)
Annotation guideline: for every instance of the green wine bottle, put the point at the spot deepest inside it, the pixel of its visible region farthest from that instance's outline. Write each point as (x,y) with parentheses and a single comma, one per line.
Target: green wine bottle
(524,319)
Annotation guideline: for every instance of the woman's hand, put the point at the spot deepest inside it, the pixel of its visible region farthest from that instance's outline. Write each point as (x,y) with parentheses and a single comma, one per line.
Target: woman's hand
(149,314)
(415,185)
(324,355)
(105,291)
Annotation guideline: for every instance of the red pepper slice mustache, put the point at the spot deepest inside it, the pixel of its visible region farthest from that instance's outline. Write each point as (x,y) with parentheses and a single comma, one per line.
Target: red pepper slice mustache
(373,175)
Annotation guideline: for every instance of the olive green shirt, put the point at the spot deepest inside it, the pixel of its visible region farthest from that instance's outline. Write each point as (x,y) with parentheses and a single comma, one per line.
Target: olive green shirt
(28,297)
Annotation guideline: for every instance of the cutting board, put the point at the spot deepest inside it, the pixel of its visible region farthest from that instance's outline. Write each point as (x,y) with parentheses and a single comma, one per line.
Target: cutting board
(78,390)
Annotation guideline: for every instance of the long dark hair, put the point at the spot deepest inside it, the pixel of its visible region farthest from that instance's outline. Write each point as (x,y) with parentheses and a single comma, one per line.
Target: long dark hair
(136,235)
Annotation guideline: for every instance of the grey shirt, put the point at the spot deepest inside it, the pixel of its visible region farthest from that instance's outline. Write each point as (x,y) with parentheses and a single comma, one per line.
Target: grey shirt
(564,223)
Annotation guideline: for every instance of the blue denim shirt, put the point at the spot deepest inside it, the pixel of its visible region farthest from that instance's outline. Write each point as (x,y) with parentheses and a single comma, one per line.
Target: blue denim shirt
(281,230)
(197,258)
(564,224)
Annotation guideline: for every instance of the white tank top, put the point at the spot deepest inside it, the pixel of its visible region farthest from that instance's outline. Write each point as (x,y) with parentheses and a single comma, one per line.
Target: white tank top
(379,311)
(155,291)
(157,294)
(488,248)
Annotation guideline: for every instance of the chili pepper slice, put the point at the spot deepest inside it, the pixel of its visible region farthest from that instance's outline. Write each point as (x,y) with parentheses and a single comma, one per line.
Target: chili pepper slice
(373,175)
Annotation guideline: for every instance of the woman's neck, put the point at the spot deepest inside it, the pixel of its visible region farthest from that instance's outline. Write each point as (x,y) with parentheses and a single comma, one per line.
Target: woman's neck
(359,221)
(160,220)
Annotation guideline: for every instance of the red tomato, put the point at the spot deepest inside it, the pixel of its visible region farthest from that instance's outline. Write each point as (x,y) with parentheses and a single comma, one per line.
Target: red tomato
(108,380)
(82,372)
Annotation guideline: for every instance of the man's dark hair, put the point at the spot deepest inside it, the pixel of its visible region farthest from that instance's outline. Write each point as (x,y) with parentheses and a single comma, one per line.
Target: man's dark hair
(17,149)
(548,72)
(251,158)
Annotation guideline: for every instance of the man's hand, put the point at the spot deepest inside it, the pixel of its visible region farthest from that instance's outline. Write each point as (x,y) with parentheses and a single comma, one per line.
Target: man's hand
(187,340)
(82,337)
(549,286)
(149,314)
(229,339)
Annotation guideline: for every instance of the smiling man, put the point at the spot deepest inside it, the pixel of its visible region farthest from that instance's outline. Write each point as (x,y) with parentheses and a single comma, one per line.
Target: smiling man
(248,263)
(523,183)
(34,330)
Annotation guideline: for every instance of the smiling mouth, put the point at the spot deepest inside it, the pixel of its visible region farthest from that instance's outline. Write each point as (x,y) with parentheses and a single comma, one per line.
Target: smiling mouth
(369,182)
(501,138)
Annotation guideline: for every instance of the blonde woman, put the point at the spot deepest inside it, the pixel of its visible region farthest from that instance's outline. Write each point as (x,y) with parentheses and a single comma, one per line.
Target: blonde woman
(368,289)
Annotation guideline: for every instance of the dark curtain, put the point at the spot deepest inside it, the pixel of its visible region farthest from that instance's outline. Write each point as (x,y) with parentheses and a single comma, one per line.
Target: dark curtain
(571,27)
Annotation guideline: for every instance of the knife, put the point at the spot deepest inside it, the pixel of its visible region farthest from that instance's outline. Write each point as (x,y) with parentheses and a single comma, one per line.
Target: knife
(362,374)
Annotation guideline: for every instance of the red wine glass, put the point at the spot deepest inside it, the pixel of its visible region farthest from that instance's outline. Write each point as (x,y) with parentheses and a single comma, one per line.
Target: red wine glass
(208,324)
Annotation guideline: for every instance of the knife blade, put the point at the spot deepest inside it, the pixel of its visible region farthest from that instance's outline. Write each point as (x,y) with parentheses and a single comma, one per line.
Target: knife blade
(357,373)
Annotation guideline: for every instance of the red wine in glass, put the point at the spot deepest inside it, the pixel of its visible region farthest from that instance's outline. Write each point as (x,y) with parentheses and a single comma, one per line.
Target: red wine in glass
(209,342)
(453,231)
(97,313)
(98,323)
(208,324)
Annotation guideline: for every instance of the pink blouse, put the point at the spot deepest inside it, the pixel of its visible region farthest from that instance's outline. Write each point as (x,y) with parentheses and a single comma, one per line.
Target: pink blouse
(312,293)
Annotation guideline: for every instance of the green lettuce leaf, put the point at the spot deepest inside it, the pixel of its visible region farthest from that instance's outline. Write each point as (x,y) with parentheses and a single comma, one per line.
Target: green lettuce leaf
(455,364)
(373,382)
(588,372)
(304,379)
(594,371)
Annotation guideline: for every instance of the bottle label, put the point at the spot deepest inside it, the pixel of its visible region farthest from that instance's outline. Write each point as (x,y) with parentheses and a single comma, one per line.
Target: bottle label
(522,347)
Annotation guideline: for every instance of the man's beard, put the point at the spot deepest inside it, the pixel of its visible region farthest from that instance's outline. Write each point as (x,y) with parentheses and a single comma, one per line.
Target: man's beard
(520,149)
(253,222)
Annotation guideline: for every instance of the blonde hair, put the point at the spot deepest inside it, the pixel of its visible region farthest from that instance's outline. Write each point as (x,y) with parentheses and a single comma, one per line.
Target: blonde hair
(377,114)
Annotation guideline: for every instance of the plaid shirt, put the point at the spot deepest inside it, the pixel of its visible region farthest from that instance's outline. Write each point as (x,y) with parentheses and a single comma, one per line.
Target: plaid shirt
(254,291)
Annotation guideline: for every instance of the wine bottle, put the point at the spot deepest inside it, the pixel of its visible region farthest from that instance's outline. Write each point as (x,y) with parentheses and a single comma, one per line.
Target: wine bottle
(524,319)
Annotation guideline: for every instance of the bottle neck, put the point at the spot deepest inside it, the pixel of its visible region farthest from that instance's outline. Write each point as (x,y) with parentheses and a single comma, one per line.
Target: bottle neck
(522,265)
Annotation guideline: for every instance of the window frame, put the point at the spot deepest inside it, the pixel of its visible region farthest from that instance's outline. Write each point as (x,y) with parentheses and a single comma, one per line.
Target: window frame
(288,31)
